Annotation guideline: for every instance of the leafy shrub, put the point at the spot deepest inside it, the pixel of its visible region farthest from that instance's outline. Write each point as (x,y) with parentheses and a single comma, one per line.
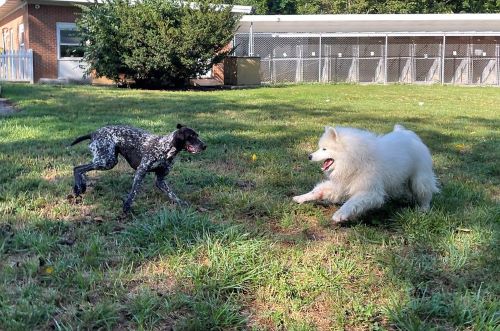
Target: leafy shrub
(155,42)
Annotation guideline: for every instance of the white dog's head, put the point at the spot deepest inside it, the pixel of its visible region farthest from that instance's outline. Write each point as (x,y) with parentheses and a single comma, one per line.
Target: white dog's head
(329,149)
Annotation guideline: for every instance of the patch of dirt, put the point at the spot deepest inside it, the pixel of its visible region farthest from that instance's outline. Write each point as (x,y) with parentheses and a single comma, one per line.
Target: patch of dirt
(16,260)
(315,313)
(223,166)
(52,175)
(309,228)
(6,107)
(155,276)
(245,184)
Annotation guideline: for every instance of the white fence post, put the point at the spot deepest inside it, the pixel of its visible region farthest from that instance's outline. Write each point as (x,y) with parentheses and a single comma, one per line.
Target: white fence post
(29,61)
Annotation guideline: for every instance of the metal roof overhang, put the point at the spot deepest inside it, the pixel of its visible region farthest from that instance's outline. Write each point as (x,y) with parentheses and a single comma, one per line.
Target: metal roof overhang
(9,6)
(374,24)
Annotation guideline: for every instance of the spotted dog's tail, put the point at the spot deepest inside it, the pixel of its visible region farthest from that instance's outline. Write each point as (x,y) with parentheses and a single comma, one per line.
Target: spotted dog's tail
(82,138)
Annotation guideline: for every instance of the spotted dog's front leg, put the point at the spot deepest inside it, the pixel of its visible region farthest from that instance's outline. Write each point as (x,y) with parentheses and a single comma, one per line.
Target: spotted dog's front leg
(140,173)
(163,186)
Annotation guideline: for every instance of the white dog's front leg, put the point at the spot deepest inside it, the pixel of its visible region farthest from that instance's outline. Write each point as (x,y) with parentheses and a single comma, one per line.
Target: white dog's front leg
(356,205)
(321,191)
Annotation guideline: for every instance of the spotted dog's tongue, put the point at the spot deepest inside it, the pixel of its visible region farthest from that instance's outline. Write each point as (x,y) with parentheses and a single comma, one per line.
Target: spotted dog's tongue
(327,164)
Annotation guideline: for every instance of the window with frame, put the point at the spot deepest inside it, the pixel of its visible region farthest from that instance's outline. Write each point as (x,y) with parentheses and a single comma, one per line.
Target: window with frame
(69,42)
(21,36)
(11,41)
(4,41)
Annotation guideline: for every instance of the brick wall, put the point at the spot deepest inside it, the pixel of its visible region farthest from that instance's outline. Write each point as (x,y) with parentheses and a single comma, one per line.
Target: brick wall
(11,22)
(43,36)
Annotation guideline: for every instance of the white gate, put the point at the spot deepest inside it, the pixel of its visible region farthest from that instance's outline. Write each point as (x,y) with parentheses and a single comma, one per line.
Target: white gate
(17,66)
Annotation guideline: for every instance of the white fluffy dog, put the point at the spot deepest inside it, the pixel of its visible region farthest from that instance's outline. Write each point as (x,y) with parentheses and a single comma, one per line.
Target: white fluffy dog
(364,169)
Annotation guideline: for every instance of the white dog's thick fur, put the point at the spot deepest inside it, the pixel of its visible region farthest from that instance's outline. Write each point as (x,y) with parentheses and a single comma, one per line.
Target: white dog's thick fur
(364,169)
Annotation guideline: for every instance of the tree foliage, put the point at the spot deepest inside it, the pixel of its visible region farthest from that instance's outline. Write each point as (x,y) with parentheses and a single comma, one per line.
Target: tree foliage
(155,42)
(371,6)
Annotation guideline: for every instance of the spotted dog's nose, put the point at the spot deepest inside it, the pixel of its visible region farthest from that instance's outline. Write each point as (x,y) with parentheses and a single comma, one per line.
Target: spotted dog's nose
(310,157)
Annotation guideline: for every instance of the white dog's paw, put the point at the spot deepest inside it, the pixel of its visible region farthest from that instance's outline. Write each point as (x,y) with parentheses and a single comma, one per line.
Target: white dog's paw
(298,199)
(339,217)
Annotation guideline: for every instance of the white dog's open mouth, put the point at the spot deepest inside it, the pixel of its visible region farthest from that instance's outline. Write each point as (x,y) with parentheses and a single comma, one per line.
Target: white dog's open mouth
(327,164)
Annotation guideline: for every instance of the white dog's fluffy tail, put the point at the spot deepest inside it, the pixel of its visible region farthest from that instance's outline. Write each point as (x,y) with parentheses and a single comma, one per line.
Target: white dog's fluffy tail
(398,127)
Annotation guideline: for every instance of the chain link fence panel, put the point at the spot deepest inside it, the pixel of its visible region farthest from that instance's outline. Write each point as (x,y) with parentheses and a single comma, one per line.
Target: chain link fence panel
(339,59)
(484,61)
(399,60)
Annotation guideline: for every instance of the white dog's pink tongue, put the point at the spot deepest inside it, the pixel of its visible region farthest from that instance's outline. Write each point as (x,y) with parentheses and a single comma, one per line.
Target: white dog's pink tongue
(327,164)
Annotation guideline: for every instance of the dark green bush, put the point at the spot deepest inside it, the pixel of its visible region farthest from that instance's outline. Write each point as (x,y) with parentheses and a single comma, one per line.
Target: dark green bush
(155,42)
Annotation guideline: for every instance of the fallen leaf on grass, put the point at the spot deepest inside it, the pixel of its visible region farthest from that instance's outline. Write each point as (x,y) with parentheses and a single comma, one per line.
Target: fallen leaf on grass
(46,270)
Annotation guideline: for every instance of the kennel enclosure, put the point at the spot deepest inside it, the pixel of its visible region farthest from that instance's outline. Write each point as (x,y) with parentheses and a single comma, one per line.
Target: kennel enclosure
(385,48)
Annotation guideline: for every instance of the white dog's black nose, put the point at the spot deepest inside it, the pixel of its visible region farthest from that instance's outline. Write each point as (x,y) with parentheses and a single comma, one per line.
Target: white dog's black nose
(310,157)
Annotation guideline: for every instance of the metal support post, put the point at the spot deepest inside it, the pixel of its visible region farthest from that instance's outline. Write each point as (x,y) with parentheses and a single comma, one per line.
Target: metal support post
(250,40)
(385,60)
(498,62)
(319,60)
(443,54)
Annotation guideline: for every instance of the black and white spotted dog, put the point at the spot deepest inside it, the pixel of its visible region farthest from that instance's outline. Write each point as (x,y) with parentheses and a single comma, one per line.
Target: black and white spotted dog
(143,151)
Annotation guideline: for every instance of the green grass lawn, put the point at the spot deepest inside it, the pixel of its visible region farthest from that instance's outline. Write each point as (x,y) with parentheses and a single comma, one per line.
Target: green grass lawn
(244,256)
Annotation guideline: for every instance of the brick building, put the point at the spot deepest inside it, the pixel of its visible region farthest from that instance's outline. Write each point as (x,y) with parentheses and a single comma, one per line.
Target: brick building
(48,28)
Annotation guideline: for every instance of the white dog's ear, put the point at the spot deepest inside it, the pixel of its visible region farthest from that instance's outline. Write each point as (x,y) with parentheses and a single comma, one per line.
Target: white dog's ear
(331,131)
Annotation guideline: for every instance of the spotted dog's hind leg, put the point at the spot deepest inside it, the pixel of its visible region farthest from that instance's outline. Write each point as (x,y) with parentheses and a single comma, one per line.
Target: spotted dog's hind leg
(163,186)
(105,158)
(78,172)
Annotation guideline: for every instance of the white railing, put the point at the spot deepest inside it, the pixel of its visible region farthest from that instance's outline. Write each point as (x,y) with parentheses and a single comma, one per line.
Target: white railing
(16,66)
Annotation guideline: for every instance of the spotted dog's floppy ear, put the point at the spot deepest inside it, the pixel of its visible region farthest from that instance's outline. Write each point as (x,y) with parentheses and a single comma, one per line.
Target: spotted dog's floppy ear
(179,137)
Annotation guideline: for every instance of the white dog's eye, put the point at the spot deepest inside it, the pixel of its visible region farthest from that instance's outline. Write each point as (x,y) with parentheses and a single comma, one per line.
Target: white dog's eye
(324,149)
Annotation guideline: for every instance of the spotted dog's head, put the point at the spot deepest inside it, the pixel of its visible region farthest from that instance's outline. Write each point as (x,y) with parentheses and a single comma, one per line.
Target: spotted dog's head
(187,139)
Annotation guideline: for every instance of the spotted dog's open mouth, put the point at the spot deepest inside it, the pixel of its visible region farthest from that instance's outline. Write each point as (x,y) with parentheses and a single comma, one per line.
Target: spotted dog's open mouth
(191,149)
(327,164)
